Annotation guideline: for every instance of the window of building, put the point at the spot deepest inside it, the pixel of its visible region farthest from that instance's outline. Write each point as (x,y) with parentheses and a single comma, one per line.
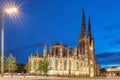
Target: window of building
(56,52)
(65,64)
(52,52)
(77,66)
(60,65)
(34,64)
(51,64)
(70,53)
(64,53)
(56,64)
(70,64)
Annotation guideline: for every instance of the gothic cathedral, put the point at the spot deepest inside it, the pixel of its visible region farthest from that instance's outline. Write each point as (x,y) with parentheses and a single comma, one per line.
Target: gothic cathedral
(64,61)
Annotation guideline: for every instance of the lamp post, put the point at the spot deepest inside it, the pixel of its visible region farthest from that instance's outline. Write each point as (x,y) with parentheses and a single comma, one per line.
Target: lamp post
(10,11)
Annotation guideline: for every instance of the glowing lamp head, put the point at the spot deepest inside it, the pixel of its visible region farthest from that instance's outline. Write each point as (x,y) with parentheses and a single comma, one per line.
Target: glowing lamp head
(11,10)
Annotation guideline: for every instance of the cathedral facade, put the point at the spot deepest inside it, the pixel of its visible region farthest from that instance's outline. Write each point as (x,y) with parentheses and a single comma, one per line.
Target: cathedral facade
(65,61)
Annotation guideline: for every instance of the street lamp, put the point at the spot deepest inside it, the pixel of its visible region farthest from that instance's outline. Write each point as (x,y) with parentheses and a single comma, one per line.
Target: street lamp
(11,10)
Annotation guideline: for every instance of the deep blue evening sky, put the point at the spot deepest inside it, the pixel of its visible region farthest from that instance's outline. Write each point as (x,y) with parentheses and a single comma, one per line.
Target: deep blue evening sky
(52,21)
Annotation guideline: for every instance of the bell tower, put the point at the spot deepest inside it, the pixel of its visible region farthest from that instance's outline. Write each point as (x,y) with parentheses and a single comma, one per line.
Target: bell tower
(82,38)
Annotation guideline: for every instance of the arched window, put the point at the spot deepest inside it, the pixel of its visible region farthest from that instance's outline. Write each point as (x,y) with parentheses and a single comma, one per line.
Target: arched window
(34,64)
(40,65)
(57,52)
(70,64)
(37,64)
(60,65)
(65,64)
(56,64)
(51,64)
(77,66)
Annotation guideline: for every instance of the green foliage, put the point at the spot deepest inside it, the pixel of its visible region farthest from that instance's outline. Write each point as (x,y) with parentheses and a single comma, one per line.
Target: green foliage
(4,63)
(26,67)
(11,63)
(103,71)
(43,66)
(20,68)
(40,68)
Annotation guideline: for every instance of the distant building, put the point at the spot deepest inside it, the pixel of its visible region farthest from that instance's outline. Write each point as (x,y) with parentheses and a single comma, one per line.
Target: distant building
(70,62)
(113,71)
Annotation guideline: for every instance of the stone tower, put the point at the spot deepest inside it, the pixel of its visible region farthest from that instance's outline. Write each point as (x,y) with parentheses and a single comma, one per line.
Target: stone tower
(82,41)
(86,46)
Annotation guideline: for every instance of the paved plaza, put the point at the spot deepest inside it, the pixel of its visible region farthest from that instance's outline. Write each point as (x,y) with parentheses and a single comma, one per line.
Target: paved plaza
(55,78)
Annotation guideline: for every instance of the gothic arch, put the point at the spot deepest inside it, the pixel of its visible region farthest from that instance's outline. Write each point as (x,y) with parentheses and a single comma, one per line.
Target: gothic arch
(65,64)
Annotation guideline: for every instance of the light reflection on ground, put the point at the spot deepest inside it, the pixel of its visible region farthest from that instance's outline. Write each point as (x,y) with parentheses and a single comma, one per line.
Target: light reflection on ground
(55,78)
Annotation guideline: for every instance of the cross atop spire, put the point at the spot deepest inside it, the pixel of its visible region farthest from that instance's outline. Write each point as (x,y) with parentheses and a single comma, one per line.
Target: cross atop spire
(83,28)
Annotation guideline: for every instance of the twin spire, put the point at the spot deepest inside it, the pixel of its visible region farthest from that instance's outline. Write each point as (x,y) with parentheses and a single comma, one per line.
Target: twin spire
(83,26)
(89,28)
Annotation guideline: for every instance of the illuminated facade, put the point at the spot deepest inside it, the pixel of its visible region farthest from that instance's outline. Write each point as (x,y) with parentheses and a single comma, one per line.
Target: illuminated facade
(65,61)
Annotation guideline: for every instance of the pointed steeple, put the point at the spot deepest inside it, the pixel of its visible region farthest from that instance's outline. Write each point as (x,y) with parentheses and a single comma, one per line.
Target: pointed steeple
(83,25)
(89,28)
(44,46)
(45,50)
(37,53)
(31,55)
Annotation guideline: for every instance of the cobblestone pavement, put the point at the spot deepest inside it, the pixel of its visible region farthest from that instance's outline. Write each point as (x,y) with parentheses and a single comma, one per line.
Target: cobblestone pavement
(55,78)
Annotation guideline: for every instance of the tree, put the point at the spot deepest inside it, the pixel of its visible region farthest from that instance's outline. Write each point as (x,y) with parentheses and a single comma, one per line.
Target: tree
(103,71)
(4,62)
(11,64)
(40,68)
(26,67)
(45,66)
(20,67)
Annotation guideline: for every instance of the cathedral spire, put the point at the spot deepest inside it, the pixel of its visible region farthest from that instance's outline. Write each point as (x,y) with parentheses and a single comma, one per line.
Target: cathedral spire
(37,53)
(89,28)
(45,50)
(83,25)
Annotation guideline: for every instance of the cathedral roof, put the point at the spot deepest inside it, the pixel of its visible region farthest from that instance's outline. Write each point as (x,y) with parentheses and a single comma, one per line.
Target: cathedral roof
(58,44)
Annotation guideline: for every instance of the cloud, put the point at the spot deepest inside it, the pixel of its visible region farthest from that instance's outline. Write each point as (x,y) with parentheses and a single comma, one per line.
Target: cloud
(111,31)
(105,54)
(108,36)
(113,27)
(117,42)
(110,62)
(116,60)
(114,43)
(108,58)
